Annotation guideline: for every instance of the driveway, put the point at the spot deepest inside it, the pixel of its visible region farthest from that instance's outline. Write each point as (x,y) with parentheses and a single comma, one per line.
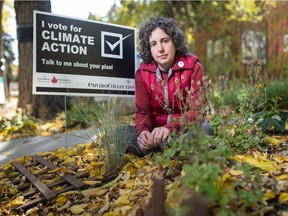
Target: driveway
(9,150)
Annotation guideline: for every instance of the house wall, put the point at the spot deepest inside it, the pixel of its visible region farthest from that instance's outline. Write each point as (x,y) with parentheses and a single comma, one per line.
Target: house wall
(275,29)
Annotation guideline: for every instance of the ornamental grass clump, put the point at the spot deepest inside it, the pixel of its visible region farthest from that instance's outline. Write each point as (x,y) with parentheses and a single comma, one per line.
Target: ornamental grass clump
(107,132)
(114,138)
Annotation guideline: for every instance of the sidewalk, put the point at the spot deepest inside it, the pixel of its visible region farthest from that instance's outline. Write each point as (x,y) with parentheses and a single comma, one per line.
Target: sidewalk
(9,150)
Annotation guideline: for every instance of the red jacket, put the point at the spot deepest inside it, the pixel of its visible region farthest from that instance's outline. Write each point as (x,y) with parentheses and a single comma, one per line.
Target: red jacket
(162,98)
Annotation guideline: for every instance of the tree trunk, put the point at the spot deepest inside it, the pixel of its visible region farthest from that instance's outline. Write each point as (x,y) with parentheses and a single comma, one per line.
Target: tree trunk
(40,106)
(1,42)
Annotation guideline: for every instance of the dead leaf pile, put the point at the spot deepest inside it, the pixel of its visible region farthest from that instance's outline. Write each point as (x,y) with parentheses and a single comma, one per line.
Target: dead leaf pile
(273,166)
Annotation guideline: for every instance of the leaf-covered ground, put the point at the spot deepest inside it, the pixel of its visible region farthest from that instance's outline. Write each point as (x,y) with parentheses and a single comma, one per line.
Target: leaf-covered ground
(130,191)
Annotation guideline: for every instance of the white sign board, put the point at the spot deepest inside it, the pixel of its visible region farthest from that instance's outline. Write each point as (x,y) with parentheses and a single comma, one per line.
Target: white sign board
(77,57)
(14,88)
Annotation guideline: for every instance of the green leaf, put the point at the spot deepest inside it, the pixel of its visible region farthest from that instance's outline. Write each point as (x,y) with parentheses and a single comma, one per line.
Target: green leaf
(283,115)
(279,124)
(266,124)
(167,161)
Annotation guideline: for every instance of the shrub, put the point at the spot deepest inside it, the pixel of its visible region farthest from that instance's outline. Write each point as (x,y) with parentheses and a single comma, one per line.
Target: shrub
(276,89)
(234,94)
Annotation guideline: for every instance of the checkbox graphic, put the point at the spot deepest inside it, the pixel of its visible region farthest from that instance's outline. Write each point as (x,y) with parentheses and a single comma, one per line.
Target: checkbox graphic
(112,44)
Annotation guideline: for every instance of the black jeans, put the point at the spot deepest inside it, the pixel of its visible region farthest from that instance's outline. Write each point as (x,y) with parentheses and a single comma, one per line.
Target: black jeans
(131,136)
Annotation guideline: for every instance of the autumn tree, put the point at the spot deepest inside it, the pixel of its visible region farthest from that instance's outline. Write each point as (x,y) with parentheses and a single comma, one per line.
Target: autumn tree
(39,106)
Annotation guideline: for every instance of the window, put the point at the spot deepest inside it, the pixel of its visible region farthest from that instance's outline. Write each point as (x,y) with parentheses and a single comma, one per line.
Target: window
(253,44)
(219,48)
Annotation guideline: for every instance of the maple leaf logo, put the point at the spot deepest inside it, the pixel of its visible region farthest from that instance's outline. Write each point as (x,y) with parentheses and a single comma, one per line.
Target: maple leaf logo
(54,80)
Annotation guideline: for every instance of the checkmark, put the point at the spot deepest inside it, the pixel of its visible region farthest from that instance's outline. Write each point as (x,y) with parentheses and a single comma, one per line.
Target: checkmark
(113,46)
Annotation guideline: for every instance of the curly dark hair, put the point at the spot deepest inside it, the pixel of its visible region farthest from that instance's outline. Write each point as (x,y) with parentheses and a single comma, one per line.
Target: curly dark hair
(171,27)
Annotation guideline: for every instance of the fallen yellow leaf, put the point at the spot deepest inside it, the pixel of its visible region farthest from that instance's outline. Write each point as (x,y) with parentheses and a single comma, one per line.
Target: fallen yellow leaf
(272,140)
(94,191)
(225,181)
(264,165)
(78,209)
(124,191)
(260,156)
(283,198)
(282,177)
(4,212)
(137,192)
(45,133)
(281,138)
(269,195)
(110,184)
(18,200)
(58,188)
(32,211)
(60,201)
(57,170)
(235,172)
(91,182)
(123,200)
(67,205)
(280,159)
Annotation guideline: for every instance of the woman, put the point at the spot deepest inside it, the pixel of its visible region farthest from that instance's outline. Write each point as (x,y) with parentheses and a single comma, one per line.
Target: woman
(169,85)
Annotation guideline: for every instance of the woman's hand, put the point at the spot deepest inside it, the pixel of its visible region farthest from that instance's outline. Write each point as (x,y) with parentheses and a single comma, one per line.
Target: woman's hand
(145,140)
(159,134)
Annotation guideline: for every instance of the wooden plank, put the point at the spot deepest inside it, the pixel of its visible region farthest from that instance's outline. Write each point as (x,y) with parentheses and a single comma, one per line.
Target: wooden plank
(31,203)
(32,191)
(47,193)
(69,178)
